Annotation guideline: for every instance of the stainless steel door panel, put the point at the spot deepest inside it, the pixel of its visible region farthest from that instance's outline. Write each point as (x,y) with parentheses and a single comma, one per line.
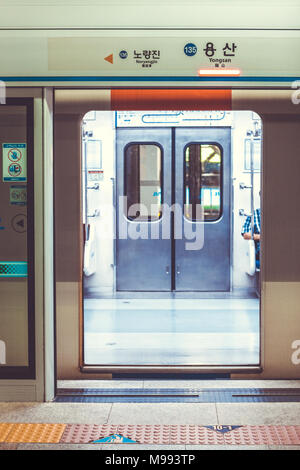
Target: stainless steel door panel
(208,268)
(143,264)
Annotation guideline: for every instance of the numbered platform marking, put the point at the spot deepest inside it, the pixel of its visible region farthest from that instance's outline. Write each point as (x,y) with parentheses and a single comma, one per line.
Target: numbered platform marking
(222,429)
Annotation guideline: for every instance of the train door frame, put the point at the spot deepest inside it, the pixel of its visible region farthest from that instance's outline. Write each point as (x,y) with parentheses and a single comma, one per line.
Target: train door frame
(275,107)
(41,385)
(224,100)
(267,103)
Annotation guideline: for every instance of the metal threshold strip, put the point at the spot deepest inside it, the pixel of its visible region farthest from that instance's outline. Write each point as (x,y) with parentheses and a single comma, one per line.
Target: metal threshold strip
(215,395)
(132,393)
(198,369)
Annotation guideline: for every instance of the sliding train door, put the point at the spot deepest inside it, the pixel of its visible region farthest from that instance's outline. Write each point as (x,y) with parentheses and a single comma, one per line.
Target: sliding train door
(173,205)
(143,187)
(203,185)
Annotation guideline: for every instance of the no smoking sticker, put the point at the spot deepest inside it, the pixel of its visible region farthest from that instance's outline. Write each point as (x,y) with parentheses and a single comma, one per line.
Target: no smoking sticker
(14,162)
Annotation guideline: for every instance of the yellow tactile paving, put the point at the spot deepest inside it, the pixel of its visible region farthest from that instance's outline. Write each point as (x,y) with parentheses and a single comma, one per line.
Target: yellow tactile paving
(5,429)
(35,433)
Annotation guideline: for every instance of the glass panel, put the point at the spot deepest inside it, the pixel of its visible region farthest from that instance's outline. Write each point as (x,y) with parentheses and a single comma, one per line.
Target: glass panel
(15,255)
(94,154)
(202,181)
(143,184)
(256,155)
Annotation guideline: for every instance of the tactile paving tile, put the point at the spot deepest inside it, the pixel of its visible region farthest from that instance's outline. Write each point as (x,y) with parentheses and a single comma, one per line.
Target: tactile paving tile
(142,434)
(5,429)
(146,434)
(85,433)
(36,433)
(150,434)
(194,434)
(201,435)
(252,435)
(288,435)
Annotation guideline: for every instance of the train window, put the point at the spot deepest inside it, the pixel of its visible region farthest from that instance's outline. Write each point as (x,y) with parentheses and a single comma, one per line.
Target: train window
(143,181)
(202,181)
(94,154)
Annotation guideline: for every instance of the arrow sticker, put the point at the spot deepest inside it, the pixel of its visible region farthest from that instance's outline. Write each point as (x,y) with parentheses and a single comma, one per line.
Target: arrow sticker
(109,58)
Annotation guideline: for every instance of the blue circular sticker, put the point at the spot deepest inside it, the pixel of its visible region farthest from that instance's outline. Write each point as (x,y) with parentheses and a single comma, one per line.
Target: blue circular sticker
(190,49)
(123,54)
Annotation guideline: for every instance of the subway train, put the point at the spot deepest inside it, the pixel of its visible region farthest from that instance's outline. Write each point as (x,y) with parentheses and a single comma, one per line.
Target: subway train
(149,191)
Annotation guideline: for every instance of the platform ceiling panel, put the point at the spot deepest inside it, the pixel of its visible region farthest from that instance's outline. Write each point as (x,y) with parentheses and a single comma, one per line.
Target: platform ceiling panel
(214,14)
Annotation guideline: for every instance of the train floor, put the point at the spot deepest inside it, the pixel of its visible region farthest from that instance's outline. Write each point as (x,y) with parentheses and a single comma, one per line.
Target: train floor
(62,426)
(171,331)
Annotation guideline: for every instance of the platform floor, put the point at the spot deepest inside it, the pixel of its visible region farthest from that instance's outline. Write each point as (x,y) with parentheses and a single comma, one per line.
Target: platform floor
(171,331)
(261,419)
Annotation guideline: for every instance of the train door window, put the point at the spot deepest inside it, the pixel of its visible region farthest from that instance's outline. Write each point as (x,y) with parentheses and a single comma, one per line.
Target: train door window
(143,181)
(203,181)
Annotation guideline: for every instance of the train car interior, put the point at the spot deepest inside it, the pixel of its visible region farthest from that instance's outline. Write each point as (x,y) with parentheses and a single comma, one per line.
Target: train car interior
(168,276)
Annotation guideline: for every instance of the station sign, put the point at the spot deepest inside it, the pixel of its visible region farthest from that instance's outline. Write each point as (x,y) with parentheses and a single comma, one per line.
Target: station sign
(152,56)
(60,55)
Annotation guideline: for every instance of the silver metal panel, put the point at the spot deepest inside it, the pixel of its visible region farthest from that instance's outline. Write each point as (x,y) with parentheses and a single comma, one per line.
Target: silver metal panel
(18,393)
(143,264)
(208,268)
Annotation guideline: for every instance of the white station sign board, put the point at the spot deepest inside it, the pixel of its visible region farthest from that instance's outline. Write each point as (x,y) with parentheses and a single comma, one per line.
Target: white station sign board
(86,54)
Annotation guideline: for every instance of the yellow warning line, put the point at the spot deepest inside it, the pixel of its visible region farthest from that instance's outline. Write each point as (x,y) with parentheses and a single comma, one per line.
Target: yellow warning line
(5,429)
(31,432)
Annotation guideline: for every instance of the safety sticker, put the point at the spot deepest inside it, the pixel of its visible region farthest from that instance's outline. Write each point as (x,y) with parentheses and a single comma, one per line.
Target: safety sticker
(14,162)
(18,195)
(95,175)
(19,223)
